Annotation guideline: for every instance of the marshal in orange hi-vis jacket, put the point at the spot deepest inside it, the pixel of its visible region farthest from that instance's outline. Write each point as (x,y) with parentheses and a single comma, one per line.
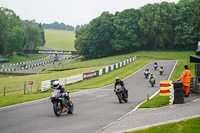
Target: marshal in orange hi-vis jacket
(185,78)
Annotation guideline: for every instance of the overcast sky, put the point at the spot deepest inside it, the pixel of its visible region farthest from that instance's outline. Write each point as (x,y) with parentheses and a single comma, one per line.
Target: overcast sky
(71,12)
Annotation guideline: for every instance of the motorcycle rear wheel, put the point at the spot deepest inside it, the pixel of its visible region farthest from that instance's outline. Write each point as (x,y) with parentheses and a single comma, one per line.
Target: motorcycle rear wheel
(57,109)
(152,84)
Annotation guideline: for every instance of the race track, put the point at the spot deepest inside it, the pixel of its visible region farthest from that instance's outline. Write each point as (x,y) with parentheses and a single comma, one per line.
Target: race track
(94,108)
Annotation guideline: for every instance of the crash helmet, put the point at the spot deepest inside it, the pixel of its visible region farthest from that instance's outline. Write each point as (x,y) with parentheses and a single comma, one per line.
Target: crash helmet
(117,79)
(55,84)
(161,66)
(155,63)
(151,73)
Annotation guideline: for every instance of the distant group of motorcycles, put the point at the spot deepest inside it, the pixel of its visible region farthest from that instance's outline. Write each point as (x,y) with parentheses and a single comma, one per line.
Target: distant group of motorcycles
(63,104)
(152,79)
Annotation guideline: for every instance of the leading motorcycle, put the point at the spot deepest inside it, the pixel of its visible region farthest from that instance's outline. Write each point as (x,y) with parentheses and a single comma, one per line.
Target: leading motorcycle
(155,66)
(59,103)
(121,94)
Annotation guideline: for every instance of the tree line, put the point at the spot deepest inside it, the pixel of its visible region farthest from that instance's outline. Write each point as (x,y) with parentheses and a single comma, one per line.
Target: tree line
(164,26)
(58,26)
(16,36)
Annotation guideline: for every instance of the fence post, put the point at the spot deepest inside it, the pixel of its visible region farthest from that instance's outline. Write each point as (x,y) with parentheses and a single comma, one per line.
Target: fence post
(4,91)
(24,88)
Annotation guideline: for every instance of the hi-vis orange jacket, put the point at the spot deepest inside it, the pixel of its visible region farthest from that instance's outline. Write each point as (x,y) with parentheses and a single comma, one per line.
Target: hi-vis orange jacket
(185,77)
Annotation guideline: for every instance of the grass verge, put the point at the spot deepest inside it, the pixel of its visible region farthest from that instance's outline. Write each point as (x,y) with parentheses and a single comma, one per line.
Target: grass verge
(157,101)
(186,126)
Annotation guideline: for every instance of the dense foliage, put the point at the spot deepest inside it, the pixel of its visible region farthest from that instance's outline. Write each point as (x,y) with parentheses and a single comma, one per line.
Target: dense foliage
(58,26)
(16,36)
(164,26)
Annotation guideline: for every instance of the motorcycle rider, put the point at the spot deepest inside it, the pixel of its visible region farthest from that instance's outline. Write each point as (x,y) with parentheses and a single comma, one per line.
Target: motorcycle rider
(151,76)
(65,94)
(119,82)
(155,65)
(161,67)
(147,70)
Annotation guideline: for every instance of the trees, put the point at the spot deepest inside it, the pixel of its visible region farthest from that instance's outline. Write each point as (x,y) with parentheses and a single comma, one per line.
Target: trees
(58,26)
(10,29)
(32,37)
(16,36)
(42,34)
(187,35)
(127,31)
(93,41)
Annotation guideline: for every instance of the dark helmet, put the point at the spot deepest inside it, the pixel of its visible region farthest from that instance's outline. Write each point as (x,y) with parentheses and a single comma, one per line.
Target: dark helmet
(186,67)
(155,63)
(117,79)
(55,84)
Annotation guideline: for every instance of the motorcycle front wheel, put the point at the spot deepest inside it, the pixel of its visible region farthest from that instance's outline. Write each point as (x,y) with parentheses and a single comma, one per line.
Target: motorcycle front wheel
(57,109)
(119,97)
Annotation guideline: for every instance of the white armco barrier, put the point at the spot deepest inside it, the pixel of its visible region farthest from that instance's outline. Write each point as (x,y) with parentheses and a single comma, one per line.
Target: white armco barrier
(106,69)
(74,79)
(124,62)
(112,67)
(100,72)
(62,81)
(46,85)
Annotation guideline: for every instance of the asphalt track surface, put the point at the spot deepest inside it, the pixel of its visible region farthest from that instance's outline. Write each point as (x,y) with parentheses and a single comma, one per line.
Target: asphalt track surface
(94,108)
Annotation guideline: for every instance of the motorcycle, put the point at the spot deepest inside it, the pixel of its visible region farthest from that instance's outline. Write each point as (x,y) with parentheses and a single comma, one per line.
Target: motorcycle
(155,66)
(161,71)
(146,74)
(59,104)
(121,94)
(152,82)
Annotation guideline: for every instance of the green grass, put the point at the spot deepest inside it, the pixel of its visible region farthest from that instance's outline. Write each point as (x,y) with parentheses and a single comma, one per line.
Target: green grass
(186,126)
(19,80)
(60,40)
(157,101)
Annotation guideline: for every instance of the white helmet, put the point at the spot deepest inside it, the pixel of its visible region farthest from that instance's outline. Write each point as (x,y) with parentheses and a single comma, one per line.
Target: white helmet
(55,84)
(117,79)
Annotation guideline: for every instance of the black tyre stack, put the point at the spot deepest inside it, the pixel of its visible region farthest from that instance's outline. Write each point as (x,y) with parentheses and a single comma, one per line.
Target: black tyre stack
(178,92)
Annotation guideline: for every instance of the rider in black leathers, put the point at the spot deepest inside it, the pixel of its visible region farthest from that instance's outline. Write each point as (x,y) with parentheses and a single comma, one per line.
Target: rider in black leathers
(65,94)
(119,82)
